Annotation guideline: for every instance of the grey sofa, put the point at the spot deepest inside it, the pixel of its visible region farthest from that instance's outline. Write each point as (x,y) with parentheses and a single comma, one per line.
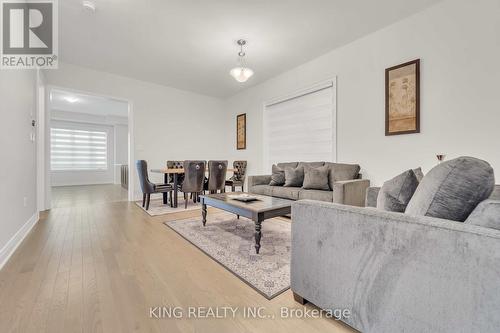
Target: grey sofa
(346,187)
(396,272)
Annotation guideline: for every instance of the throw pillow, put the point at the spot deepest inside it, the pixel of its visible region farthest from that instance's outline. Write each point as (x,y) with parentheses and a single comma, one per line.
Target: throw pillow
(277,176)
(486,214)
(294,177)
(316,178)
(339,172)
(419,174)
(453,189)
(396,193)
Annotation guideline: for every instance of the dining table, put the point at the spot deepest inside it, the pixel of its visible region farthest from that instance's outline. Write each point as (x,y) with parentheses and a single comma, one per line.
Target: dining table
(175,172)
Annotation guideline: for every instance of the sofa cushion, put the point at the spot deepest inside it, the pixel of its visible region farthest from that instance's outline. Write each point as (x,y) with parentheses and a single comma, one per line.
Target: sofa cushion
(294,177)
(316,178)
(288,165)
(419,174)
(286,192)
(277,176)
(453,189)
(486,214)
(311,164)
(371,196)
(316,195)
(396,193)
(262,189)
(340,171)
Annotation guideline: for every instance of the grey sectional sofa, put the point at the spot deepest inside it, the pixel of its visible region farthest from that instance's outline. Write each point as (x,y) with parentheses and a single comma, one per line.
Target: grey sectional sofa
(396,272)
(346,187)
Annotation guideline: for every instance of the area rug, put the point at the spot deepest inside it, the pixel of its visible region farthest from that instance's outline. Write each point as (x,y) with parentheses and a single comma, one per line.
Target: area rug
(230,242)
(157,207)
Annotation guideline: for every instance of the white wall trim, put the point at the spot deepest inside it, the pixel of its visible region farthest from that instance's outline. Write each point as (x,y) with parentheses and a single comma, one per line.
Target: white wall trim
(10,247)
(41,107)
(131,155)
(304,91)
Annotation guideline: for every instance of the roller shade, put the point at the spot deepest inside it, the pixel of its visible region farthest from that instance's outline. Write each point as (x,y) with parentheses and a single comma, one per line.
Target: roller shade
(78,149)
(301,127)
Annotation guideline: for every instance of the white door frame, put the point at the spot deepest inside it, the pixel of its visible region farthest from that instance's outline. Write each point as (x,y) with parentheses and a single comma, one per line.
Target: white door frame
(43,130)
(41,107)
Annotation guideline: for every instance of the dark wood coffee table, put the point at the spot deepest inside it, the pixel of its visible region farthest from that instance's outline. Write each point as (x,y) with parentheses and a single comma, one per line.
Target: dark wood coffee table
(263,208)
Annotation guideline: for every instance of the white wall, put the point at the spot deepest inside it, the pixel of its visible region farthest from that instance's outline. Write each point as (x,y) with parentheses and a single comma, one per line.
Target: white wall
(18,168)
(167,123)
(458,42)
(121,149)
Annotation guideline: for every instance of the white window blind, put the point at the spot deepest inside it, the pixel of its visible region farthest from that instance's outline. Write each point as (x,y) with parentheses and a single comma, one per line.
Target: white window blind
(301,127)
(78,149)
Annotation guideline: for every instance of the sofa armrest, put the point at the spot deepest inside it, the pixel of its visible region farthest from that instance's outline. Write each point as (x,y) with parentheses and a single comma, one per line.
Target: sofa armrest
(371,196)
(258,180)
(350,192)
(396,272)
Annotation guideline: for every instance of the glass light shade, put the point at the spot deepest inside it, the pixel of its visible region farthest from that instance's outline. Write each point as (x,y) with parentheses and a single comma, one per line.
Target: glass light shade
(241,74)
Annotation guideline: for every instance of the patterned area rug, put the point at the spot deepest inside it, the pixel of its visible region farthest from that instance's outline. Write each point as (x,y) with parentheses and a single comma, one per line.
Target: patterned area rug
(230,242)
(156,207)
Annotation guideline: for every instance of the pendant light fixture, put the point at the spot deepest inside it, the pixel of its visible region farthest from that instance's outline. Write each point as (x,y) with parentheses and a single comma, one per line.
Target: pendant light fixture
(241,73)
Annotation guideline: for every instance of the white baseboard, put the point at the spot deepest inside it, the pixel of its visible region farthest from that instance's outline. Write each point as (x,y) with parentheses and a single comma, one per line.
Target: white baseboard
(11,246)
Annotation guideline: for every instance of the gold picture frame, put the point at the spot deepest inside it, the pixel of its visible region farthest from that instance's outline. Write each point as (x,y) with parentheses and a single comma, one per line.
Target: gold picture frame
(241,131)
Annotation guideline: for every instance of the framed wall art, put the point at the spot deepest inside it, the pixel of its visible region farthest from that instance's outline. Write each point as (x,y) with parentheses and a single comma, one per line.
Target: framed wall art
(241,131)
(402,98)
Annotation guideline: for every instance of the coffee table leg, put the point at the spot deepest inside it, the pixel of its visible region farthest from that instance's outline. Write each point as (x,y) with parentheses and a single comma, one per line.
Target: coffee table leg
(203,212)
(258,235)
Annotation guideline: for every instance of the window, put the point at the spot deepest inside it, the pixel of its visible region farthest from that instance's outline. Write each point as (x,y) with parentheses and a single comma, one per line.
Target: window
(78,149)
(301,127)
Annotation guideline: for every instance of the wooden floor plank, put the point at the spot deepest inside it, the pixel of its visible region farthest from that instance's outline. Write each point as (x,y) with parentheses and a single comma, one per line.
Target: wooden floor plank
(99,267)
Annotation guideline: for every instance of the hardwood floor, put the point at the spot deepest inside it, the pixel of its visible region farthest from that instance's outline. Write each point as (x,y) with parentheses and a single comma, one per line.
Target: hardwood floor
(100,267)
(83,195)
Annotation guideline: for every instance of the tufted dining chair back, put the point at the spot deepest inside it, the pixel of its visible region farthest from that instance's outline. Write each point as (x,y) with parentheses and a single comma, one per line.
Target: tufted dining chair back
(194,174)
(241,169)
(217,175)
(175,165)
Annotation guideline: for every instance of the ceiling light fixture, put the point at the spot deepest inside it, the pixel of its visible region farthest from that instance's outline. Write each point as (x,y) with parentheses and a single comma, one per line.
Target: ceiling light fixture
(89,5)
(241,73)
(71,99)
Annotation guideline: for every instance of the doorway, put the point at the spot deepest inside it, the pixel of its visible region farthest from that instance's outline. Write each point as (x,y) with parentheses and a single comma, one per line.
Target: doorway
(87,148)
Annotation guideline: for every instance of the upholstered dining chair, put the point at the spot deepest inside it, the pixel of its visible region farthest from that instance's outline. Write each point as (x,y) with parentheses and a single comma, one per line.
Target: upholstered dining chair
(148,187)
(217,176)
(238,177)
(194,174)
(175,165)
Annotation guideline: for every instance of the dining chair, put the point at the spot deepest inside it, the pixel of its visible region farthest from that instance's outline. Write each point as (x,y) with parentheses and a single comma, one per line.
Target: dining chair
(147,186)
(194,173)
(217,176)
(175,165)
(238,177)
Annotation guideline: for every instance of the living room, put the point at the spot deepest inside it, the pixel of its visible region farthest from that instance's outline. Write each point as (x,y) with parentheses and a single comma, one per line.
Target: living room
(360,229)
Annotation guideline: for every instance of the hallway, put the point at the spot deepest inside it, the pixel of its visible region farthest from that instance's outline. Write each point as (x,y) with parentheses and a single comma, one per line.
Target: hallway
(85,195)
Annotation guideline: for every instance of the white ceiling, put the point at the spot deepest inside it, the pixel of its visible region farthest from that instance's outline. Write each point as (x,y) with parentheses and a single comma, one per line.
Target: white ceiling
(190,44)
(95,105)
